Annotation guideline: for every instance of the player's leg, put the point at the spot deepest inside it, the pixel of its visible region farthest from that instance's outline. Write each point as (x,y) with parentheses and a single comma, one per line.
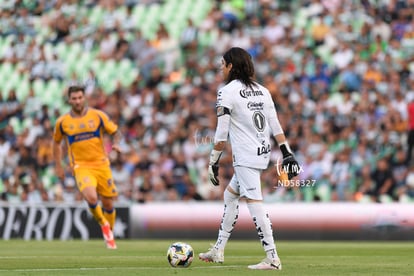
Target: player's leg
(107,228)
(265,232)
(250,188)
(109,211)
(230,215)
(87,182)
(91,197)
(107,190)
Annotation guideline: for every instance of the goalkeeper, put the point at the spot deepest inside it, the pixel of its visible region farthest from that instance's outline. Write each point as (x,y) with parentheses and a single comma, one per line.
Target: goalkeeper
(246,114)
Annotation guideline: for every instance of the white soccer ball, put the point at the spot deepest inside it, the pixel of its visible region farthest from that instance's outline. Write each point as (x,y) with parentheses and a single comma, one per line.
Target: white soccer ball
(180,254)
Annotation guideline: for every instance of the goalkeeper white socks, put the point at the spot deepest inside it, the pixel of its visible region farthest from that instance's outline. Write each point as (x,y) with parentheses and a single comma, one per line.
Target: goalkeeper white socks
(230,215)
(264,228)
(260,219)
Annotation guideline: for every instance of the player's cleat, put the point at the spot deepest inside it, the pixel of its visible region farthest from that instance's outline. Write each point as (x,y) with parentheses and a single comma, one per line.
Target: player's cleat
(213,255)
(111,244)
(108,236)
(267,264)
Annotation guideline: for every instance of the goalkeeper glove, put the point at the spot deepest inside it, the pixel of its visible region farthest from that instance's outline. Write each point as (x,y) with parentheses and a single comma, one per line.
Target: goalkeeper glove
(213,167)
(289,163)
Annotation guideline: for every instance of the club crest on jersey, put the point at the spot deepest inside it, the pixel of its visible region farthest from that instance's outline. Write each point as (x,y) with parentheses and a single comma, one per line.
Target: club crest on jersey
(91,124)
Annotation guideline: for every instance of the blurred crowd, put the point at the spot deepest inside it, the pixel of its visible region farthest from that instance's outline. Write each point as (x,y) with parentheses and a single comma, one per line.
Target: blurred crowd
(340,72)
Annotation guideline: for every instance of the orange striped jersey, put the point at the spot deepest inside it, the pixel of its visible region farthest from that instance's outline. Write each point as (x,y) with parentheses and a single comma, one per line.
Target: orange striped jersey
(84,137)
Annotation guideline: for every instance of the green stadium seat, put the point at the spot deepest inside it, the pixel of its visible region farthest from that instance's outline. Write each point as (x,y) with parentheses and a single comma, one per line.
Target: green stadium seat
(16,125)
(48,177)
(6,69)
(308,194)
(62,50)
(22,89)
(82,65)
(323,191)
(206,39)
(96,15)
(96,65)
(109,85)
(14,79)
(12,82)
(27,122)
(49,49)
(54,93)
(53,87)
(39,87)
(325,54)
(365,199)
(137,14)
(109,70)
(175,28)
(2,46)
(106,74)
(199,11)
(300,19)
(126,72)
(166,14)
(4,43)
(165,90)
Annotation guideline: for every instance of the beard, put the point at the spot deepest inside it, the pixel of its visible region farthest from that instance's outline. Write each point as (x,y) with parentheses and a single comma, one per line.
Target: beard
(78,108)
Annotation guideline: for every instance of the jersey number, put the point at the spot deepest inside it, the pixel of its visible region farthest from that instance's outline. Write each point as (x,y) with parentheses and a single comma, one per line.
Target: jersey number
(259,121)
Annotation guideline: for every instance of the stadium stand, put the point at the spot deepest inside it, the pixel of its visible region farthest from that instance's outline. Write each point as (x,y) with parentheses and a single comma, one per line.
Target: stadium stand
(341,91)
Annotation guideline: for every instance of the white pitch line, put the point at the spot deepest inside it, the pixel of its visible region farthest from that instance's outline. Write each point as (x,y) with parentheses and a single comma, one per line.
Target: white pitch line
(48,257)
(112,268)
(117,256)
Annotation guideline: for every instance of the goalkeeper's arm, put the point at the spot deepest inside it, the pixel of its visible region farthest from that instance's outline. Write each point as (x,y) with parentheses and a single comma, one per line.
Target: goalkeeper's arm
(289,164)
(220,140)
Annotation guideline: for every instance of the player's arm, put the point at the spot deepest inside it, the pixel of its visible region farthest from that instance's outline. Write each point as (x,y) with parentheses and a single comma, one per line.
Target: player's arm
(57,156)
(117,138)
(112,129)
(220,140)
(290,165)
(57,150)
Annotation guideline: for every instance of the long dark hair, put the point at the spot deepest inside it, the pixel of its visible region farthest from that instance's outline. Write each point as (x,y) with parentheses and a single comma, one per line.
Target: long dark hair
(242,66)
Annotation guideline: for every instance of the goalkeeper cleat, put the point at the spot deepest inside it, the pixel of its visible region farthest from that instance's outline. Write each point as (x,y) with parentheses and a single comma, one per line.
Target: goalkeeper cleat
(213,255)
(108,236)
(267,264)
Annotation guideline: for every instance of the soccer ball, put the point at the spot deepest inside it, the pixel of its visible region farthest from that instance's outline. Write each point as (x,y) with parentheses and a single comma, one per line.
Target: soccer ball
(180,254)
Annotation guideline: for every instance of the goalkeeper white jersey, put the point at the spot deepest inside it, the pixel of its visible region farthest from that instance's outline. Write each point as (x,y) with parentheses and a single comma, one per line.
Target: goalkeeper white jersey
(253,119)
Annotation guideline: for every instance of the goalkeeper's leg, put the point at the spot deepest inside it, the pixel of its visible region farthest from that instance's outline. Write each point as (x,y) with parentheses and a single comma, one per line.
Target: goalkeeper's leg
(230,216)
(264,228)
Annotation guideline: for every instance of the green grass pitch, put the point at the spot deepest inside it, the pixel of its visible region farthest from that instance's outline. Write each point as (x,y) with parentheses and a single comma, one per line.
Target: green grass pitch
(148,257)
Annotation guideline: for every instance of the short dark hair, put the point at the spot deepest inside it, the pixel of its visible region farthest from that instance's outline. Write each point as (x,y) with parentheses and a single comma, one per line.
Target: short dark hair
(75,88)
(242,66)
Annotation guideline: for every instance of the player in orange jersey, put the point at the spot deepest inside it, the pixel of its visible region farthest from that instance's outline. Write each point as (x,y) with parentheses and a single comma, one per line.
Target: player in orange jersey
(83,128)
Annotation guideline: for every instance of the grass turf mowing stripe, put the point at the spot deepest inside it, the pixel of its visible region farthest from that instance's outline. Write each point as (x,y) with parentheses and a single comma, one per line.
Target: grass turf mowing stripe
(148,257)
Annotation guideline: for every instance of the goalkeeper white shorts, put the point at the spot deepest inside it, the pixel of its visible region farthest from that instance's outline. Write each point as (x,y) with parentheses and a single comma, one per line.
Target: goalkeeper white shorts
(246,182)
